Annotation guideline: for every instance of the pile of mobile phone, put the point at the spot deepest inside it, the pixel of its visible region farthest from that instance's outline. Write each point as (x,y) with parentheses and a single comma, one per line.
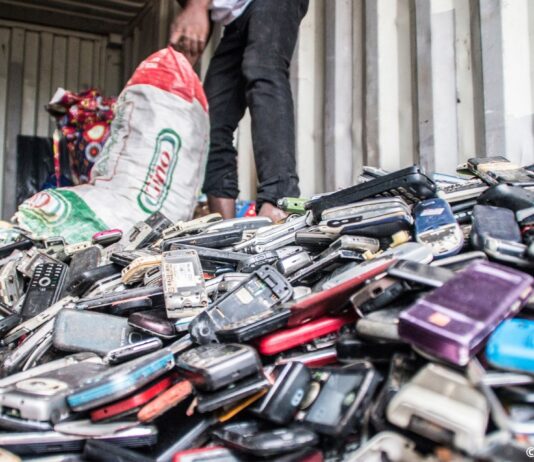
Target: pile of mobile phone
(389,321)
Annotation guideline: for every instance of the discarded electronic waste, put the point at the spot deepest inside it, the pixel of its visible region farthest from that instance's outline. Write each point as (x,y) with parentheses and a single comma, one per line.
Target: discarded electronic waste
(389,321)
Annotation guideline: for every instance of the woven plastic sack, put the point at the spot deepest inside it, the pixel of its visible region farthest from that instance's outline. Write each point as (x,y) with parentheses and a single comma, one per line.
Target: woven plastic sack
(154,159)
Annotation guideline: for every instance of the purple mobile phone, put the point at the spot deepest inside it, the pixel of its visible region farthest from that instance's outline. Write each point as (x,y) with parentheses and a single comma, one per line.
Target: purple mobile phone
(451,322)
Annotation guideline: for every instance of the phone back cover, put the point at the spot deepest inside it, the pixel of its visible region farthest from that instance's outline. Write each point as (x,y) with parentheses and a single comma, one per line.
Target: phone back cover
(99,333)
(452,322)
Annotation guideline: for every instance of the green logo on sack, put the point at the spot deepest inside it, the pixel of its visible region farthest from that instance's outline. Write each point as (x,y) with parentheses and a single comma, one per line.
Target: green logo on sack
(160,171)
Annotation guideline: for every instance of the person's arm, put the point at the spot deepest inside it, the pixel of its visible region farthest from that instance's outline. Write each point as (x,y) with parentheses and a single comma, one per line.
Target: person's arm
(190,29)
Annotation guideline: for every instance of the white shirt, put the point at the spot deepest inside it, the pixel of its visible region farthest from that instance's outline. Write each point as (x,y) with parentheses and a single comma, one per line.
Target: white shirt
(225,11)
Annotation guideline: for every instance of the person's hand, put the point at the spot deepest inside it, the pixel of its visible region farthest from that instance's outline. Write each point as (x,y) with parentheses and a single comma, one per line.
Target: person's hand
(190,29)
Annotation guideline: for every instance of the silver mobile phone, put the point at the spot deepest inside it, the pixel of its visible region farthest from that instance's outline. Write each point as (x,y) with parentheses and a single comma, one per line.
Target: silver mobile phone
(11,284)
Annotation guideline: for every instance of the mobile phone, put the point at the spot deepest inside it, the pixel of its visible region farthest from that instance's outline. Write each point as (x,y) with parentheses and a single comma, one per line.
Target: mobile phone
(251,301)
(359,243)
(379,203)
(273,237)
(42,397)
(125,257)
(210,401)
(16,357)
(514,253)
(510,345)
(498,169)
(38,443)
(213,366)
(243,224)
(282,401)
(496,222)
(427,275)
(317,358)
(154,322)
(381,325)
(81,283)
(372,222)
(460,261)
(324,263)
(99,333)
(8,323)
(248,437)
(215,240)
(165,400)
(401,370)
(30,325)
(131,404)
(315,238)
(135,271)
(436,227)
(45,288)
(31,259)
(145,232)
(387,446)
(11,284)
(289,338)
(448,397)
(514,198)
(454,193)
(97,450)
(183,284)
(107,237)
(378,293)
(24,243)
(106,301)
(84,260)
(446,324)
(335,298)
(213,259)
(133,350)
(332,412)
(211,453)
(119,381)
(292,205)
(293,263)
(194,226)
(408,183)
(352,348)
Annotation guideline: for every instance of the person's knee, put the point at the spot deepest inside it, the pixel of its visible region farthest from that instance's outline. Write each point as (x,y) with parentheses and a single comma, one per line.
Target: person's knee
(273,69)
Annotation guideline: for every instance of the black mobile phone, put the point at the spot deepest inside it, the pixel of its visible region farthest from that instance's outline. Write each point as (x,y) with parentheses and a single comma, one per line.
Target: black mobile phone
(213,366)
(213,259)
(82,282)
(22,244)
(154,322)
(282,401)
(251,438)
(9,322)
(104,302)
(254,299)
(377,294)
(409,183)
(254,262)
(343,399)
(215,240)
(402,368)
(350,348)
(45,288)
(415,272)
(495,222)
(146,232)
(207,402)
(97,450)
(510,197)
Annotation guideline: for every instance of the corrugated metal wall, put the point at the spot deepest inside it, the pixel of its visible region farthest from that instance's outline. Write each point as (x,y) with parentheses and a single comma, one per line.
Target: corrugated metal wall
(394,82)
(34,62)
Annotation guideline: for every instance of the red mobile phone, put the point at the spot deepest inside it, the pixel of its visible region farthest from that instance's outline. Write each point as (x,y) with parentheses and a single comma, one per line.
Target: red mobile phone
(285,339)
(133,402)
(166,400)
(319,358)
(334,298)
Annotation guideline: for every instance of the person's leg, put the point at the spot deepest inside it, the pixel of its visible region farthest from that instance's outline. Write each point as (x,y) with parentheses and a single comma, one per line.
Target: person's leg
(224,87)
(272,30)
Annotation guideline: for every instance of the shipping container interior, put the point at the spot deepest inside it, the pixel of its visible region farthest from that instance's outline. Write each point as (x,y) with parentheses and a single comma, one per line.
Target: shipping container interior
(381,82)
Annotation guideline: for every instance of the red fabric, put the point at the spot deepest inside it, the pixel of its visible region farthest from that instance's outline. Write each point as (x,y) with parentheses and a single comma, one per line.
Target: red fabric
(170,71)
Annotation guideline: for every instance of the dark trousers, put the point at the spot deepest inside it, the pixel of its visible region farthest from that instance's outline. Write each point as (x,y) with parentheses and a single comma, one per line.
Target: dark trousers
(250,68)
